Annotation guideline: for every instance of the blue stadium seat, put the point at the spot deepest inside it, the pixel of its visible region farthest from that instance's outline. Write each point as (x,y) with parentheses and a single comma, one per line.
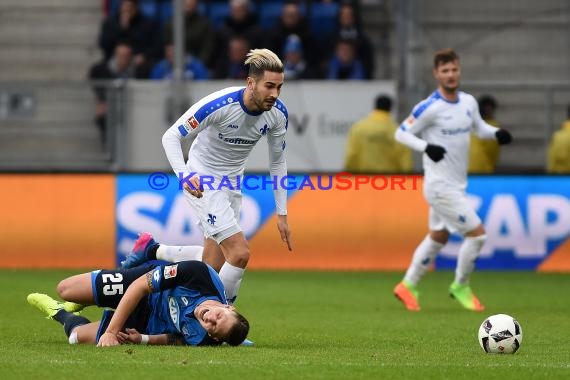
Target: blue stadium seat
(323,18)
(149,8)
(270,12)
(167,9)
(217,12)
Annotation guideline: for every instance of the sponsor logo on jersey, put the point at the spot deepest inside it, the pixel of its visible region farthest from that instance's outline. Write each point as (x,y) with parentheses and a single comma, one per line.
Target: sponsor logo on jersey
(236,140)
(173,310)
(233,126)
(455,131)
(170,271)
(191,123)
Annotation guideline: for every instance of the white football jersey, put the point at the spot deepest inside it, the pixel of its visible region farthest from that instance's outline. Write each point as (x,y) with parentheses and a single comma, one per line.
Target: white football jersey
(226,132)
(438,121)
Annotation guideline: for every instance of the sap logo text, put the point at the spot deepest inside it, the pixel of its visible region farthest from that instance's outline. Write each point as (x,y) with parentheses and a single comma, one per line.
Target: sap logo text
(173,309)
(525,229)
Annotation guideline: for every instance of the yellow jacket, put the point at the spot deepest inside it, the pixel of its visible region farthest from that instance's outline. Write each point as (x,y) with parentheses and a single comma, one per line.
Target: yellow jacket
(372,148)
(559,150)
(483,154)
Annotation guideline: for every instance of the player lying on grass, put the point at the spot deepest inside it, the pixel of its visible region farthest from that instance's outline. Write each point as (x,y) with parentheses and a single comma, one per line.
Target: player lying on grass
(181,303)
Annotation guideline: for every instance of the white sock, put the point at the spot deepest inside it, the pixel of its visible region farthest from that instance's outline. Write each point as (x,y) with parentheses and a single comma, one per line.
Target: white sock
(422,259)
(174,254)
(231,278)
(468,253)
(73,338)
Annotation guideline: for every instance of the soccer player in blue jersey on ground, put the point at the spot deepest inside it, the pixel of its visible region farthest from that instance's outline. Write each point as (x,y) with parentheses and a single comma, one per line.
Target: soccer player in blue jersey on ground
(443,123)
(226,126)
(181,303)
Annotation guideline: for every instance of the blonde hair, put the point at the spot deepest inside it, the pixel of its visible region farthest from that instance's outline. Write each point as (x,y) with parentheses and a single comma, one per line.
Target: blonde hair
(261,60)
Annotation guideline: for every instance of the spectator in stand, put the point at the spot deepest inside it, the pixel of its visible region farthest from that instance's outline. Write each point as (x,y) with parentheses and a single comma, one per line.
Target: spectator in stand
(231,64)
(193,67)
(484,154)
(344,64)
(559,149)
(131,25)
(371,146)
(119,66)
(241,22)
(293,22)
(200,35)
(349,28)
(294,61)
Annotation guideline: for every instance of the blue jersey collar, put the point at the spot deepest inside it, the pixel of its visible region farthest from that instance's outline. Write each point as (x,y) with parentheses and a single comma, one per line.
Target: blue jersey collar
(439,96)
(243,107)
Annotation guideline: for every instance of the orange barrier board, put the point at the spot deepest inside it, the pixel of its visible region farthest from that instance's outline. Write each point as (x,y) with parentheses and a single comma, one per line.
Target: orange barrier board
(57,221)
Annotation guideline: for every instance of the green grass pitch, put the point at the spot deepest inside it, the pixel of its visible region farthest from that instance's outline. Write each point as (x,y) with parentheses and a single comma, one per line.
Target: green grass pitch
(306,325)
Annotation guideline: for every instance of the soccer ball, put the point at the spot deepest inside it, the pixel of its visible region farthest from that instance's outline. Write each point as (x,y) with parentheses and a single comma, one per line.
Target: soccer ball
(500,334)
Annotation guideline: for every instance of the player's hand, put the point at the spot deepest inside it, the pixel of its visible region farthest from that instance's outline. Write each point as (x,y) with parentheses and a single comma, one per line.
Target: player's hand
(107,340)
(435,152)
(196,189)
(284,231)
(130,336)
(503,137)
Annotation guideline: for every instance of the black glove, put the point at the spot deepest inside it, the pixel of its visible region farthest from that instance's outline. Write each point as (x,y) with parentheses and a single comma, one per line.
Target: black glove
(503,137)
(435,152)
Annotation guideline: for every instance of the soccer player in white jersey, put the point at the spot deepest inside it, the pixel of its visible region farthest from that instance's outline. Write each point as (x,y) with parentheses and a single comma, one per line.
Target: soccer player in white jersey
(226,125)
(440,127)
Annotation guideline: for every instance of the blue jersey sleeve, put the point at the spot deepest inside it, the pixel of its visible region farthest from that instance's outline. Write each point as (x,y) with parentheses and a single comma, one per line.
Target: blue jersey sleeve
(193,275)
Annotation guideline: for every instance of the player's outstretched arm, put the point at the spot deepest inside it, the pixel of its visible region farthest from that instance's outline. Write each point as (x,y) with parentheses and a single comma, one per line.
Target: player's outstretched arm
(134,337)
(135,292)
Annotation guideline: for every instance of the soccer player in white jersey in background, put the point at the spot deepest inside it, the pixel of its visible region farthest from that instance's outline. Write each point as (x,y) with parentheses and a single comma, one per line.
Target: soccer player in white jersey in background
(227,124)
(440,127)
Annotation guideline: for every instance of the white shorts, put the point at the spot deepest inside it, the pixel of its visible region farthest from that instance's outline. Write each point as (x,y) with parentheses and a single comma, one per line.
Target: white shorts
(452,212)
(218,211)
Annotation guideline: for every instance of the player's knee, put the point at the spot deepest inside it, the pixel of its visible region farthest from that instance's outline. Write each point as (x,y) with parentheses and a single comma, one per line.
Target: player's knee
(63,289)
(439,236)
(478,231)
(239,257)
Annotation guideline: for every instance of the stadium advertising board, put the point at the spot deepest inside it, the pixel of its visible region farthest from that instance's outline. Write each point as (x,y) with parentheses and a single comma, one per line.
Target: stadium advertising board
(81,221)
(57,220)
(364,223)
(319,120)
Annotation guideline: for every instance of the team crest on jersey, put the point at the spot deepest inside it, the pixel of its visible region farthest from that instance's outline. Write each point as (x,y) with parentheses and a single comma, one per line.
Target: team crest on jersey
(170,271)
(191,123)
